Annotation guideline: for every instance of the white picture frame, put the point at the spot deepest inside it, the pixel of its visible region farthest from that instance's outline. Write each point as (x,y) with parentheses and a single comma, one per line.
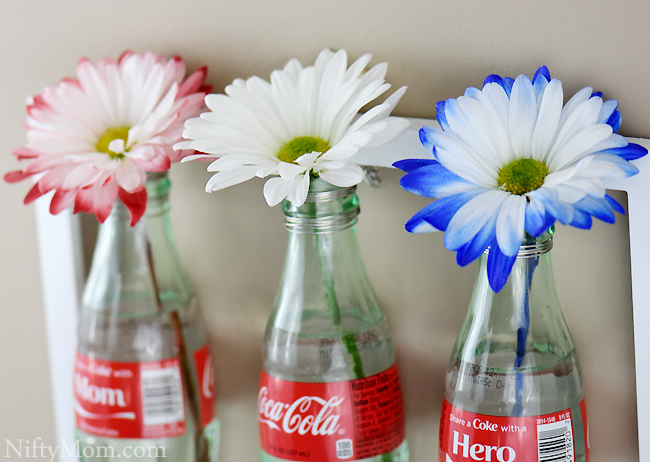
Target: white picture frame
(62,276)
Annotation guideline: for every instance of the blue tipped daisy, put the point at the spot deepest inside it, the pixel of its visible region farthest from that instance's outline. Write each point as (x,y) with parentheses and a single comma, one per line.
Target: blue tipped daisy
(512,158)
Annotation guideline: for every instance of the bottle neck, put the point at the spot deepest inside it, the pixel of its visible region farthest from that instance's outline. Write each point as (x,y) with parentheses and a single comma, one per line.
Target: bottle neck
(524,319)
(324,271)
(530,279)
(158,186)
(129,263)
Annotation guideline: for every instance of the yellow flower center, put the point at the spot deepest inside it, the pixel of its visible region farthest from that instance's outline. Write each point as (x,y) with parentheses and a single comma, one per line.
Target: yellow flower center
(302,145)
(112,134)
(522,176)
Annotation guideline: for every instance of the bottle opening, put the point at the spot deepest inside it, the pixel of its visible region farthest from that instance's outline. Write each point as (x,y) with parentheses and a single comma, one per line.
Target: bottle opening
(532,247)
(327,208)
(329,195)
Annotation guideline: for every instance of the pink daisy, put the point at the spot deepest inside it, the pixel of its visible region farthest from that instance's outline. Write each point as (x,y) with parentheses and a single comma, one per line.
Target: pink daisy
(93,139)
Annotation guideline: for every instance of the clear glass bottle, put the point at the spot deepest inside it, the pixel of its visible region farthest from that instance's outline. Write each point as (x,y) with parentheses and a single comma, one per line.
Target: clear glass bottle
(514,381)
(142,348)
(327,337)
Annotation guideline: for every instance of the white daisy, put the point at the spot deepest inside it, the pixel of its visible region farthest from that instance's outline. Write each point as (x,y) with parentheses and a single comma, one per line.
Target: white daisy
(303,123)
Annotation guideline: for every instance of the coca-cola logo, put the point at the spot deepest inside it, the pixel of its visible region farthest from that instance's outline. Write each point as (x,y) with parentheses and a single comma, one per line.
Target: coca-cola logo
(307,414)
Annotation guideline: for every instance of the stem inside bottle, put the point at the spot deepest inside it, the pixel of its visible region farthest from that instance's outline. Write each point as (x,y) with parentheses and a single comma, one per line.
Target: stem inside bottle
(333,304)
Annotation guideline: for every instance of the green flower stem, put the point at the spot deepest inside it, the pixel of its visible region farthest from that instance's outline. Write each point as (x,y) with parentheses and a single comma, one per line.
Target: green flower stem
(351,346)
(333,305)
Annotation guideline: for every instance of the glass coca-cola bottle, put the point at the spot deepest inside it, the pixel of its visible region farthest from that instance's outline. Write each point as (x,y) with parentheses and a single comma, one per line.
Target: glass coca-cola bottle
(330,389)
(514,388)
(144,385)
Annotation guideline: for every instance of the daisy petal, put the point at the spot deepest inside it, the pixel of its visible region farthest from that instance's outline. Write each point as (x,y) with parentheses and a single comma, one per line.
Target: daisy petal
(576,100)
(547,120)
(83,201)
(578,146)
(395,128)
(239,160)
(441,117)
(615,121)
(417,224)
(18,175)
(347,176)
(510,224)
(439,213)
(276,189)
(116,146)
(581,220)
(476,247)
(291,171)
(499,100)
(228,178)
(605,165)
(537,220)
(542,76)
(614,204)
(522,116)
(435,181)
(197,156)
(103,197)
(499,266)
(606,111)
(408,165)
(62,200)
(299,190)
(472,217)
(561,211)
(596,207)
(135,202)
(129,177)
(34,193)
(630,152)
(461,160)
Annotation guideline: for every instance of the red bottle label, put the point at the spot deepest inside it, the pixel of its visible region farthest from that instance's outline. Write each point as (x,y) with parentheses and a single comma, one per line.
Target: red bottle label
(207,393)
(138,399)
(466,436)
(129,400)
(331,421)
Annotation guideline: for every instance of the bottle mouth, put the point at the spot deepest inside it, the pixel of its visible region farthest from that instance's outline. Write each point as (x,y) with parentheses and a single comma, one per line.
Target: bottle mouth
(543,245)
(326,209)
(329,195)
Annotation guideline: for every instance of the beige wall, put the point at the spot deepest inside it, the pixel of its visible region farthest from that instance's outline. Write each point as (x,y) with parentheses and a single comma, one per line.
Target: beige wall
(233,244)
